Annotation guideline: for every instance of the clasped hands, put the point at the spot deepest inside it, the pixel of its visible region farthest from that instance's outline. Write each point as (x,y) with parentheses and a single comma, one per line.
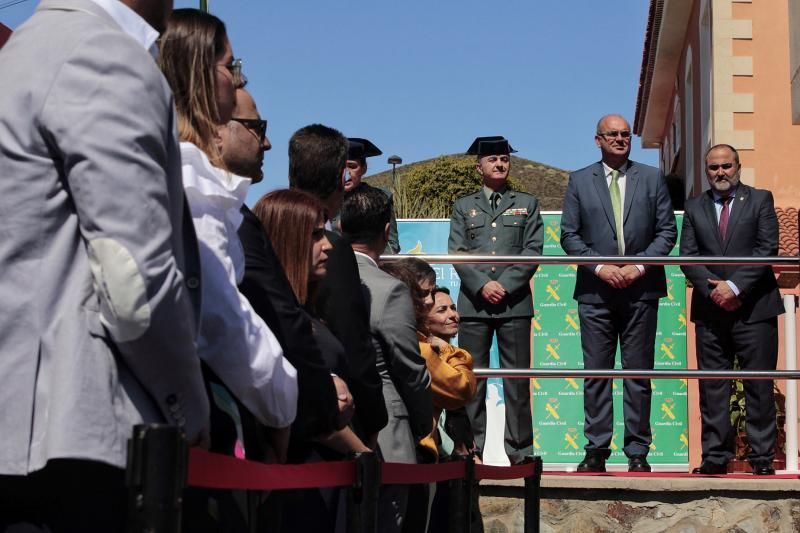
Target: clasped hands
(723,295)
(493,292)
(619,277)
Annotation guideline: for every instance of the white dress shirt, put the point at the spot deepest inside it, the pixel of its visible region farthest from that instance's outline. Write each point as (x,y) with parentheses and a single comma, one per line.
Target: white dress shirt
(621,182)
(233,340)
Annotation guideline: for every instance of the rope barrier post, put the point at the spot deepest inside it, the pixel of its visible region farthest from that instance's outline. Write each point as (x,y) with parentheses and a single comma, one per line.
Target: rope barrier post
(460,497)
(362,501)
(155,476)
(532,495)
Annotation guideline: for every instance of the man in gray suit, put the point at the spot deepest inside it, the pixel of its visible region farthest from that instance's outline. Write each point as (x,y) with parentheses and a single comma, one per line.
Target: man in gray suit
(617,207)
(99,289)
(406,382)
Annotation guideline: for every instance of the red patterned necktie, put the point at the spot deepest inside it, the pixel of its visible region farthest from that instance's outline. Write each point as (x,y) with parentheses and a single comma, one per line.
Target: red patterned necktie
(724,216)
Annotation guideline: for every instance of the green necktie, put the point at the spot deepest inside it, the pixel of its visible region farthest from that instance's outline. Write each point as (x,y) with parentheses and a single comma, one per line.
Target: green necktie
(495,200)
(617,206)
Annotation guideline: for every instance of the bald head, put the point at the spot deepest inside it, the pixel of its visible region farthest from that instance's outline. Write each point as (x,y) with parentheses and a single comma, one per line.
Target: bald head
(613,137)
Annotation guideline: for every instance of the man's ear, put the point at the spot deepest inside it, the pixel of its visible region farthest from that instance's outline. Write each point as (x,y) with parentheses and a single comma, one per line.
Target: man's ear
(219,136)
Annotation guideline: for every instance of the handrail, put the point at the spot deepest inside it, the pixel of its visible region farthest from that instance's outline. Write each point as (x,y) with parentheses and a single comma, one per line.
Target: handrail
(596,259)
(632,374)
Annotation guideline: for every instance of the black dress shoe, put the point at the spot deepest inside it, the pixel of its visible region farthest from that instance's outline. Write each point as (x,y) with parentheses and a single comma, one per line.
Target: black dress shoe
(592,462)
(638,463)
(711,469)
(763,468)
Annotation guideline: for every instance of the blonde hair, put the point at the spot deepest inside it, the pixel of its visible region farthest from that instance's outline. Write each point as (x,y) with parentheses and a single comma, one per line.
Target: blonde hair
(189,49)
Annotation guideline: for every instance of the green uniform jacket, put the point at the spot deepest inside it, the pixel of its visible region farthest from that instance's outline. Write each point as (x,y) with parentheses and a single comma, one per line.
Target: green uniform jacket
(514,228)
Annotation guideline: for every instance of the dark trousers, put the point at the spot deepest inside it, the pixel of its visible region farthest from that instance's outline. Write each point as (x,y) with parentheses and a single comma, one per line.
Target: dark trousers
(514,341)
(756,347)
(67,496)
(633,325)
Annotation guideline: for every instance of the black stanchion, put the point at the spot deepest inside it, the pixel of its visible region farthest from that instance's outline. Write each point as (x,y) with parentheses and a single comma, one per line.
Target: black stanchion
(532,495)
(362,501)
(156,476)
(460,497)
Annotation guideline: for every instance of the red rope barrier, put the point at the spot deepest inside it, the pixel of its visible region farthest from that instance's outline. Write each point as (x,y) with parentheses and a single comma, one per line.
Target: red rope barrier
(211,470)
(215,471)
(410,474)
(504,472)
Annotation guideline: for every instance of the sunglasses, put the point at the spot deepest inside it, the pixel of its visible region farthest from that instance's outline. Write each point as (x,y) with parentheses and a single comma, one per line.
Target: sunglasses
(256,125)
(625,134)
(724,166)
(235,68)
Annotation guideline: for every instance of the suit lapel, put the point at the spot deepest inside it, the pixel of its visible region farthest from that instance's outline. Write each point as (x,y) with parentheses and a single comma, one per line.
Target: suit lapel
(483,203)
(601,188)
(738,204)
(631,182)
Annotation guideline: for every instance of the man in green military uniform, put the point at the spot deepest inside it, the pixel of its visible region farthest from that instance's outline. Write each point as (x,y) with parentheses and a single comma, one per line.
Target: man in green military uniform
(496,299)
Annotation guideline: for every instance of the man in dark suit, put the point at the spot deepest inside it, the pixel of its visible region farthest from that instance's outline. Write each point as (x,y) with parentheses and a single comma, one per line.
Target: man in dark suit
(496,299)
(734,308)
(244,142)
(617,207)
(317,156)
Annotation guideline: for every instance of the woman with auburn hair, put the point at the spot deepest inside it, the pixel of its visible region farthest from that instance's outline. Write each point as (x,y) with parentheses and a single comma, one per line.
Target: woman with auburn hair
(294,220)
(245,358)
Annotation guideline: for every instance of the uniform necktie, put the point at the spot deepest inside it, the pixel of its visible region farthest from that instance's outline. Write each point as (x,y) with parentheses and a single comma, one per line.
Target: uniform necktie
(495,200)
(724,216)
(617,207)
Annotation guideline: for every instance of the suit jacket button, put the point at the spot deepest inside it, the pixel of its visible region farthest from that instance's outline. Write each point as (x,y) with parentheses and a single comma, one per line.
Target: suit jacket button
(494,238)
(494,269)
(494,224)
(471,235)
(192,282)
(171,399)
(493,253)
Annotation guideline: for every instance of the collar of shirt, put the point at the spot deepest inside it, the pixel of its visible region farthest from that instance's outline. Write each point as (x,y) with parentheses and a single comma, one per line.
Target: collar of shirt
(131,23)
(371,260)
(718,198)
(607,170)
(489,192)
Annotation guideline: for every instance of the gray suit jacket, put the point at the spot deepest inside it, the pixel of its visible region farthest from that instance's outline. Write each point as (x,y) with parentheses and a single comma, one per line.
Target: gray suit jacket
(99,275)
(406,381)
(587,228)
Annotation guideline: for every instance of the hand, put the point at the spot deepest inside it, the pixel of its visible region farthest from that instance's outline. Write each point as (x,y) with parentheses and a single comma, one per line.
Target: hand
(346,405)
(723,295)
(436,342)
(493,292)
(631,273)
(612,275)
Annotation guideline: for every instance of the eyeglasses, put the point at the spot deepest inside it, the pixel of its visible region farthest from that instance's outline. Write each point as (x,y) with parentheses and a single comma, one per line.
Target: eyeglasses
(625,134)
(235,68)
(257,126)
(724,166)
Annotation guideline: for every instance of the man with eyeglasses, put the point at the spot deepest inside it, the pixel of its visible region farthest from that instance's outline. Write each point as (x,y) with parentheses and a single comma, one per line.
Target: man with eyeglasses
(266,287)
(617,207)
(734,308)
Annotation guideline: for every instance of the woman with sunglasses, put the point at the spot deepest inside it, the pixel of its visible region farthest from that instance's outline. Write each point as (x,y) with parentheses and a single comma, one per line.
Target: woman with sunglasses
(295,224)
(244,357)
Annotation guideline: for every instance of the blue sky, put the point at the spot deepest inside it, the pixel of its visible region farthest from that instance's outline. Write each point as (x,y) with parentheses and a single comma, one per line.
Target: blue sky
(421,79)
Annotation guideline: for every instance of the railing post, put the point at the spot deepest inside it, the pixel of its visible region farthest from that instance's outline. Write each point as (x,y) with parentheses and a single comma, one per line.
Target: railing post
(156,476)
(532,495)
(790,351)
(362,501)
(460,497)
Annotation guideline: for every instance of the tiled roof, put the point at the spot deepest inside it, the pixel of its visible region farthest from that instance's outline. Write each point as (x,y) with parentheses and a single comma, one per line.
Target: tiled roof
(787,223)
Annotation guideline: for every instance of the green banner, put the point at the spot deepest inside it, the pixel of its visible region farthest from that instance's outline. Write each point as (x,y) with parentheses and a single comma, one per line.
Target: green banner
(558,403)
